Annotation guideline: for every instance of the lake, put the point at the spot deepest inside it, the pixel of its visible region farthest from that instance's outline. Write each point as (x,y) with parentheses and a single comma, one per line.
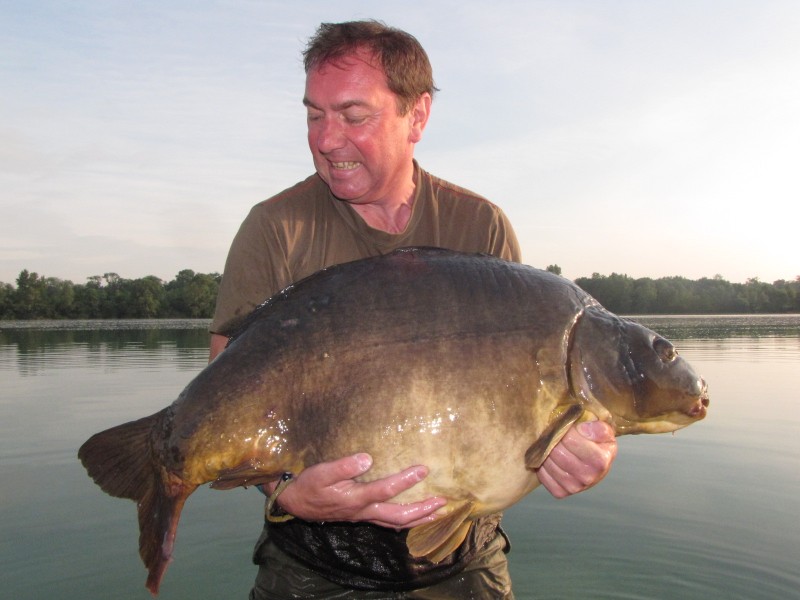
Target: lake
(709,512)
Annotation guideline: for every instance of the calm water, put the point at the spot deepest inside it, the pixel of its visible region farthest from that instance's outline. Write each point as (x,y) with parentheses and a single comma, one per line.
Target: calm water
(710,512)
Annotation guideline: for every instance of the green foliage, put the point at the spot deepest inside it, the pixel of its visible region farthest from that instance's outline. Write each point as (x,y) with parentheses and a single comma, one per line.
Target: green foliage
(555,269)
(193,295)
(678,295)
(189,295)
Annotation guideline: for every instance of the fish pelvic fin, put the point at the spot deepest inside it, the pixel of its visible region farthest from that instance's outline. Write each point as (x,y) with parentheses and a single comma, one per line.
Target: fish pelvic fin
(159,513)
(121,461)
(440,538)
(557,429)
(248,473)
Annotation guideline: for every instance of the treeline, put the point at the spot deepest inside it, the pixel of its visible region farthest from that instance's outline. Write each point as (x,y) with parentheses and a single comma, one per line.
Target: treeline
(193,295)
(189,295)
(677,295)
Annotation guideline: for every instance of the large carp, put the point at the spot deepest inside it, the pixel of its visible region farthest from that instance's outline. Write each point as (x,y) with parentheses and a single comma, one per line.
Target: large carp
(468,364)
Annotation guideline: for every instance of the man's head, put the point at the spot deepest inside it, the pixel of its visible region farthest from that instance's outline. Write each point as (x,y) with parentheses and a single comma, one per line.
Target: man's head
(402,58)
(368,98)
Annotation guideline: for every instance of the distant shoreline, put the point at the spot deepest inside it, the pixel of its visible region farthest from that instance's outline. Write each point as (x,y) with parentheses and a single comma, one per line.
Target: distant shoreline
(193,296)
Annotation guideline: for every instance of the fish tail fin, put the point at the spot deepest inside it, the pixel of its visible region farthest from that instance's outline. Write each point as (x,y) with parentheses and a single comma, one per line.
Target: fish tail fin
(439,538)
(122,462)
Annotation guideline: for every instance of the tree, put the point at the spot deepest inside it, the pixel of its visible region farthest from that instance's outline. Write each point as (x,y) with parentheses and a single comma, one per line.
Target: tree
(29,298)
(615,292)
(716,296)
(114,299)
(7,294)
(193,294)
(554,269)
(145,298)
(780,297)
(674,295)
(755,295)
(644,296)
(59,298)
(89,298)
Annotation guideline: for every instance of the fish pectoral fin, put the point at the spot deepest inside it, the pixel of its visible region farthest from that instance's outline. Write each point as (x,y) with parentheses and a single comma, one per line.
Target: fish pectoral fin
(244,475)
(439,538)
(537,453)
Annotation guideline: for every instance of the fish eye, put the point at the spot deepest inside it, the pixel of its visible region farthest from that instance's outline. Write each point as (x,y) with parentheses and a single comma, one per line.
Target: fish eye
(664,349)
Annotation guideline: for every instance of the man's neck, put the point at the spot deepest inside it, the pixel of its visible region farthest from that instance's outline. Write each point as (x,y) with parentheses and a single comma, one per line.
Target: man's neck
(389,217)
(393,213)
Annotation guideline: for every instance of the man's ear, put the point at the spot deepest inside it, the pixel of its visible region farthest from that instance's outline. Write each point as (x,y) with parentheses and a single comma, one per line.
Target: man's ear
(419,115)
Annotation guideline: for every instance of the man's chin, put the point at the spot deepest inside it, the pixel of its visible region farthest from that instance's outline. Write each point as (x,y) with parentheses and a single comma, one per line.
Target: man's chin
(347,193)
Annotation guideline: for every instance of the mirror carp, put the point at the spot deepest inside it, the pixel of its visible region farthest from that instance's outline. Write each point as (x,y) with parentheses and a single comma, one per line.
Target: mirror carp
(471,365)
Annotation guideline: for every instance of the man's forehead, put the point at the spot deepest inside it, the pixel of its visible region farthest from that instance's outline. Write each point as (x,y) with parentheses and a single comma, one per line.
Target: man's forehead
(353,87)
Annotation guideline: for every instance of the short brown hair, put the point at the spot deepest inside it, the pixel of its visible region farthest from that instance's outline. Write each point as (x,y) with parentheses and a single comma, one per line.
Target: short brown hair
(404,61)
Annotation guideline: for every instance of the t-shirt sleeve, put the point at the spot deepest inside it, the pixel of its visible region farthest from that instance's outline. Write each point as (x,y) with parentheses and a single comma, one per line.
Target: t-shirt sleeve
(503,241)
(256,268)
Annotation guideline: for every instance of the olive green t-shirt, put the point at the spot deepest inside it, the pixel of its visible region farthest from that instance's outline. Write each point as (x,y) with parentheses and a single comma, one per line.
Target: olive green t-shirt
(300,231)
(305,228)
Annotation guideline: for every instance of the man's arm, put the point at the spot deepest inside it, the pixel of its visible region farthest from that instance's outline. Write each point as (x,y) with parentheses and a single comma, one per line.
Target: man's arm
(217,345)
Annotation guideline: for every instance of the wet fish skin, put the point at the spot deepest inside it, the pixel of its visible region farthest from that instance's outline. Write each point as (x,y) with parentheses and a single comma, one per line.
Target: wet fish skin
(468,364)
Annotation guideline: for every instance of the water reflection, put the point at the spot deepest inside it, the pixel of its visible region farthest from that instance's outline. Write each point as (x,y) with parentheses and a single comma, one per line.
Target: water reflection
(706,514)
(36,346)
(681,327)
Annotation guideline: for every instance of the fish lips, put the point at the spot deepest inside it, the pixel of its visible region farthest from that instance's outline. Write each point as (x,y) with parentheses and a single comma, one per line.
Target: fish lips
(700,408)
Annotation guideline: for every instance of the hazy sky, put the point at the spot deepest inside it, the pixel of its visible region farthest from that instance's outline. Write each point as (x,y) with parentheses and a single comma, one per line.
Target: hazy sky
(651,138)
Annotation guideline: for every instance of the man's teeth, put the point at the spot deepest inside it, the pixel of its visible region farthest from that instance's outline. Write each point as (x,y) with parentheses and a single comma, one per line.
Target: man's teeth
(345,165)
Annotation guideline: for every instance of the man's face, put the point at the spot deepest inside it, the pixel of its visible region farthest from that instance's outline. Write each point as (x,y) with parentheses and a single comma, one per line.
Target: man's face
(361,147)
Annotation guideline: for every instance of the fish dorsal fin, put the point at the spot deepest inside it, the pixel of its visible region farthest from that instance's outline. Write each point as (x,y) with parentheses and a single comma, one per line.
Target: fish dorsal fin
(537,453)
(439,538)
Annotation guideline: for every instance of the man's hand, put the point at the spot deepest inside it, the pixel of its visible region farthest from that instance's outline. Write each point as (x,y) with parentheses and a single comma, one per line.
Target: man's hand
(580,460)
(328,492)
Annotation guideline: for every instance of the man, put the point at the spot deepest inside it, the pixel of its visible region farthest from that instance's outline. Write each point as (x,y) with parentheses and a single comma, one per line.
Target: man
(368,97)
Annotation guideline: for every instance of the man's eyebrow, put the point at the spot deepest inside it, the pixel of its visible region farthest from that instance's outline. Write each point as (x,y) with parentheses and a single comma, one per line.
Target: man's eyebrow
(341,106)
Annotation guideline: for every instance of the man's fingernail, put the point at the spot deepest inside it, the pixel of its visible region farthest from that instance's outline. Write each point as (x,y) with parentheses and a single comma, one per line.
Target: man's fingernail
(439,502)
(586,429)
(364,461)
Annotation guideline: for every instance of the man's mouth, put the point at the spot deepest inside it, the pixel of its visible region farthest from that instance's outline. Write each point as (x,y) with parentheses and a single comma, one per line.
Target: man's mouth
(345,166)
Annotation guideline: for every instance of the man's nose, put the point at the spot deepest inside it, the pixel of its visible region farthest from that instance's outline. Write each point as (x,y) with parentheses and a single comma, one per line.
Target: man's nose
(328,135)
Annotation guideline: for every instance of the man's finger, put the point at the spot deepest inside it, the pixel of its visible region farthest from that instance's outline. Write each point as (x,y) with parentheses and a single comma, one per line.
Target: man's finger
(597,431)
(336,471)
(402,516)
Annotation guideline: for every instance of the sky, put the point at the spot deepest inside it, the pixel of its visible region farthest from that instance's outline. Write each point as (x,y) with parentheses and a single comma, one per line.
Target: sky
(649,138)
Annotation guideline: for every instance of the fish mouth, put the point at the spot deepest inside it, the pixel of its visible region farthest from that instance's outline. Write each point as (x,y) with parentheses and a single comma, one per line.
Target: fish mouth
(670,421)
(698,409)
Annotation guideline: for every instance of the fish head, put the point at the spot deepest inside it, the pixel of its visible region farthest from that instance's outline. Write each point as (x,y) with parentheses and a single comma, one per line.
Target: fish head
(632,377)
